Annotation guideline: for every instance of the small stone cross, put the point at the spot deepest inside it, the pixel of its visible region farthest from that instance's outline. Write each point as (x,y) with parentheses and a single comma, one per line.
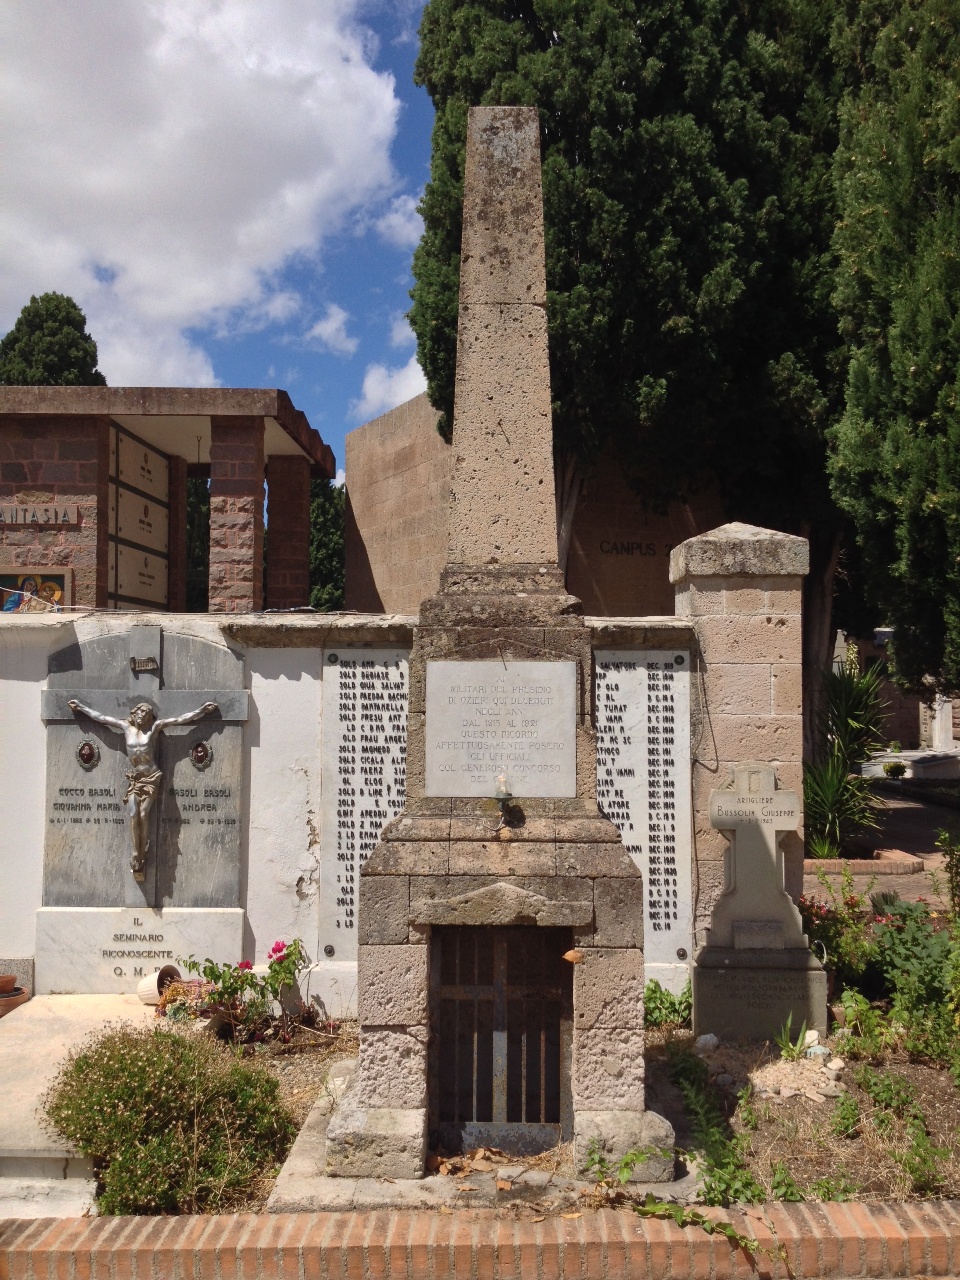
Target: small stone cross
(755,911)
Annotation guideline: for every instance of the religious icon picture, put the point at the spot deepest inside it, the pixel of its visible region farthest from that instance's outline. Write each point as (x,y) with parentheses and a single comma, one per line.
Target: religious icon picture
(26,590)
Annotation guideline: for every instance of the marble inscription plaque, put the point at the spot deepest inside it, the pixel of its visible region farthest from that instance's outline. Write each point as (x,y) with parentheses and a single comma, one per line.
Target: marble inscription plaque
(109,949)
(643,785)
(141,521)
(142,467)
(485,719)
(363,779)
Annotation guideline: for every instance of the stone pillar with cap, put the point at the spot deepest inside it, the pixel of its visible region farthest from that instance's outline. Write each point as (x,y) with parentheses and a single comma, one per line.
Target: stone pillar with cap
(742,588)
(491,838)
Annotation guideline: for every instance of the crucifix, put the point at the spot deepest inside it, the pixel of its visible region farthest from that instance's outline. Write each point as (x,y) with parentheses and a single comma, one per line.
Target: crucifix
(141,730)
(755,912)
(141,712)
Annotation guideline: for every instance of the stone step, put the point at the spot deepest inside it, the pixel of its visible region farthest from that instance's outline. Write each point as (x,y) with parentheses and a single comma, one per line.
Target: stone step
(40,1197)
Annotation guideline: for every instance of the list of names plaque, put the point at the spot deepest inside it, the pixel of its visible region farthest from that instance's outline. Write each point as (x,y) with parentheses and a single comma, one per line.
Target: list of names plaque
(364,777)
(643,786)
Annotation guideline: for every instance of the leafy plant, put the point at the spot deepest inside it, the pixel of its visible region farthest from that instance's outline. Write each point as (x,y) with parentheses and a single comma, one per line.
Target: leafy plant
(837,1187)
(950,848)
(244,996)
(852,709)
(837,805)
(914,956)
(789,1051)
(867,1034)
(599,1167)
(663,1009)
(782,1184)
(845,1121)
(173,1123)
(841,927)
(894,768)
(726,1178)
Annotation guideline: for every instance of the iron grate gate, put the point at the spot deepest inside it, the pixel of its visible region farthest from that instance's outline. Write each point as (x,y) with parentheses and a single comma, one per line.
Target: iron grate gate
(501,1012)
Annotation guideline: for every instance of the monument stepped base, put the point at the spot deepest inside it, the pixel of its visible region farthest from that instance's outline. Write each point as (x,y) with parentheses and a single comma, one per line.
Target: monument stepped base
(837,1240)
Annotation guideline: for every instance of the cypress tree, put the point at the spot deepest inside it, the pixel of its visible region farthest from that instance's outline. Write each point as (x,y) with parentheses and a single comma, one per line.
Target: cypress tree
(896,450)
(49,346)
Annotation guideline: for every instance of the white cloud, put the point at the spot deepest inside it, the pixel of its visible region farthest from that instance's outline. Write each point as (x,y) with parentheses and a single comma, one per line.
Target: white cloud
(339,480)
(401,225)
(401,335)
(331,331)
(385,388)
(165,159)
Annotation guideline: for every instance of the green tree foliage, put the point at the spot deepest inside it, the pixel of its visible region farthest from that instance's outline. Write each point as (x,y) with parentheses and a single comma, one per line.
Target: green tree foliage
(896,462)
(198,544)
(688,207)
(49,347)
(326,545)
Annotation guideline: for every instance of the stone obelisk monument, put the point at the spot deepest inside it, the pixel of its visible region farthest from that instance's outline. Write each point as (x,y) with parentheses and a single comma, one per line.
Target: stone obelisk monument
(500,927)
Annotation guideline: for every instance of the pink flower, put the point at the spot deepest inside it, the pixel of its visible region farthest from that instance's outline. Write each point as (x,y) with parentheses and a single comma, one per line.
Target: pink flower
(244,964)
(277,950)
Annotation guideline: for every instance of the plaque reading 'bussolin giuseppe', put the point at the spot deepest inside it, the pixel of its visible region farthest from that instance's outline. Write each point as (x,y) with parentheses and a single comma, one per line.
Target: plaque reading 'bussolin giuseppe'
(485,719)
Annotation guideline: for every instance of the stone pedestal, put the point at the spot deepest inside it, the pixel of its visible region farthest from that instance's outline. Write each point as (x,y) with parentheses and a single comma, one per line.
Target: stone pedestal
(748,995)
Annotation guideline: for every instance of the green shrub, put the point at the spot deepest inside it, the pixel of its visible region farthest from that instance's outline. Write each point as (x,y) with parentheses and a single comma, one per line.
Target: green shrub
(663,1009)
(914,955)
(840,928)
(837,806)
(852,710)
(173,1123)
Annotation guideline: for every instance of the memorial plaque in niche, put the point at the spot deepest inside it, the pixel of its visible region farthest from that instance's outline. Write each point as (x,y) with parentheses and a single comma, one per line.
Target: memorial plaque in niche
(142,467)
(364,778)
(141,521)
(487,719)
(643,786)
(141,575)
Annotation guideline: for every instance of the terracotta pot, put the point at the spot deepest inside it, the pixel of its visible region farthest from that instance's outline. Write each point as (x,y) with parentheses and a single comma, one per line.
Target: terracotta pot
(7,982)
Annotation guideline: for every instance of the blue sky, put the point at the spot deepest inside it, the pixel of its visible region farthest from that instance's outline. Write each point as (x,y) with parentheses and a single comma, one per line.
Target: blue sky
(227,187)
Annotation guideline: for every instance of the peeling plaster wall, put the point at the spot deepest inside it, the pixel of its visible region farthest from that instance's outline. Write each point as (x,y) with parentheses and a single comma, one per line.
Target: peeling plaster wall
(283,870)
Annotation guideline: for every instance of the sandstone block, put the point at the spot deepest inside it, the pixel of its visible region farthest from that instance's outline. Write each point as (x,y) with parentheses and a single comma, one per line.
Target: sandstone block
(787,689)
(608,988)
(739,689)
(384,909)
(608,1068)
(516,858)
(408,858)
(618,913)
(758,737)
(393,1067)
(740,550)
(593,860)
(614,1133)
(376,1142)
(761,637)
(392,986)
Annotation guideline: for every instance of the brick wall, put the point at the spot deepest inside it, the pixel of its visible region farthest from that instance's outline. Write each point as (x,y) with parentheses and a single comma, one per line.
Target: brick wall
(288,553)
(792,1241)
(236,514)
(59,459)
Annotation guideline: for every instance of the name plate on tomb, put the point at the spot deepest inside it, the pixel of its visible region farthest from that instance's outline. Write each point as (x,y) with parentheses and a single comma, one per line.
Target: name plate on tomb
(485,719)
(643,786)
(109,949)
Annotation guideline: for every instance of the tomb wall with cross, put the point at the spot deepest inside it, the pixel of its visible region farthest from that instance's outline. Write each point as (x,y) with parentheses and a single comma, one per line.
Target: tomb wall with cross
(197,818)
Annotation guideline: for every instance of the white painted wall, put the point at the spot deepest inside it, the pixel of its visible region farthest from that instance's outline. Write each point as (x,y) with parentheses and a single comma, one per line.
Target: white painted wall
(23,754)
(283,853)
